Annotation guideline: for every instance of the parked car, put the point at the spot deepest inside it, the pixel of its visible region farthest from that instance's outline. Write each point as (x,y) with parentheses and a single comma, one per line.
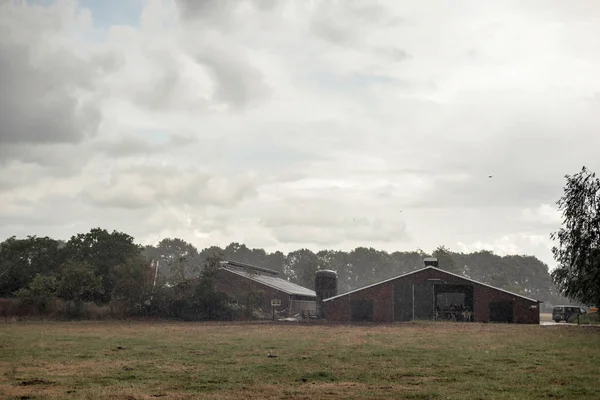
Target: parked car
(566,313)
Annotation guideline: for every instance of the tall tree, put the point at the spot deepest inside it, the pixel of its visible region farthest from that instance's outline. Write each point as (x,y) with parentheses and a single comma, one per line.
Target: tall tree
(445,260)
(134,283)
(301,267)
(103,251)
(178,259)
(22,259)
(78,283)
(578,249)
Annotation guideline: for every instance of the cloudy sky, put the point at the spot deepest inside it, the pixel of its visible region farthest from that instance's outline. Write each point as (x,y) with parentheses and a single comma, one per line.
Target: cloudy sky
(288,124)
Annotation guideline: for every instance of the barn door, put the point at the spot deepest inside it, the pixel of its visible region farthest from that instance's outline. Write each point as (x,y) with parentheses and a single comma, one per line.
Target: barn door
(501,311)
(403,305)
(362,310)
(423,301)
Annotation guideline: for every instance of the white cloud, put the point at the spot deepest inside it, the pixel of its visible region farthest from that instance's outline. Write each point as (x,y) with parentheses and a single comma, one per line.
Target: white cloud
(519,243)
(545,214)
(290,124)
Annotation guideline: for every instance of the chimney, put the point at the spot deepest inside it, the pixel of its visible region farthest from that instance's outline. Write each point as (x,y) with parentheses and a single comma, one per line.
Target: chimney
(431,262)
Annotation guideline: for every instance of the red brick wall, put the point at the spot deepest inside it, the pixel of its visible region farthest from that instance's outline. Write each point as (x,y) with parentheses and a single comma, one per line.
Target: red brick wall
(523,313)
(382,296)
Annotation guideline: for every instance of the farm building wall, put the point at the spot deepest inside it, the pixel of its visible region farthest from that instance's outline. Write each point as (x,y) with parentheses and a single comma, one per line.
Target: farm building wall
(380,298)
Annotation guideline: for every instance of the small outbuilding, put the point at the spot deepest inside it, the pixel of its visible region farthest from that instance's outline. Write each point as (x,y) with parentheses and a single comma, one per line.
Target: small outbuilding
(246,282)
(431,294)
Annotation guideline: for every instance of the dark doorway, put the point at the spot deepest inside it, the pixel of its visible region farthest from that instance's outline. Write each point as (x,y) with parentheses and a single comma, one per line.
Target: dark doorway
(501,311)
(423,302)
(362,310)
(403,302)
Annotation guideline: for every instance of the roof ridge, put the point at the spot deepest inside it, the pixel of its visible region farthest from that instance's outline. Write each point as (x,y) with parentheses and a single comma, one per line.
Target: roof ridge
(436,269)
(303,292)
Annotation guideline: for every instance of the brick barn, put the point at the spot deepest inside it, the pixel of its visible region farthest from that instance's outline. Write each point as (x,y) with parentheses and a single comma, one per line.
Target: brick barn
(243,281)
(431,294)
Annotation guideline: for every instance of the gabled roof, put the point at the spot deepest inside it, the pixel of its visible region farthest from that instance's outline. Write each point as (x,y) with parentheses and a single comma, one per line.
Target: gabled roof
(435,269)
(272,281)
(248,267)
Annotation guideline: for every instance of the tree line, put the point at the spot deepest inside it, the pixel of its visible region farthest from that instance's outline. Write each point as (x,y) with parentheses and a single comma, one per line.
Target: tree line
(111,274)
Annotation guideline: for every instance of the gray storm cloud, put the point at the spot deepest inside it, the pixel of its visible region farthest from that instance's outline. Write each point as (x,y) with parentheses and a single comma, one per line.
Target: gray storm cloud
(289,124)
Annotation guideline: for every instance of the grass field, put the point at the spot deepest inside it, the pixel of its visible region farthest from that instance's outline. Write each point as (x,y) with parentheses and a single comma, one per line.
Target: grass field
(144,360)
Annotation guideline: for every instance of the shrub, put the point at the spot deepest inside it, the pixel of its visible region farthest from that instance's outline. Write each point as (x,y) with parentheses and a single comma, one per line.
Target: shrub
(590,318)
(40,293)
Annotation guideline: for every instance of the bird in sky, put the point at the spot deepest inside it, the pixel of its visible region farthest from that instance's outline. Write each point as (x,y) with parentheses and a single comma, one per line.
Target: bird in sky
(491,176)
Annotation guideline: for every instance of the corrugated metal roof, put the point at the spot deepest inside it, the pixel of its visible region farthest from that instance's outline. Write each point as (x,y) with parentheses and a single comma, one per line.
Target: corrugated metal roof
(436,269)
(275,283)
(248,267)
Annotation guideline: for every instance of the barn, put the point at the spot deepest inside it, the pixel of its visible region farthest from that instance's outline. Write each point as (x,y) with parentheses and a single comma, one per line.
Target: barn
(250,283)
(431,294)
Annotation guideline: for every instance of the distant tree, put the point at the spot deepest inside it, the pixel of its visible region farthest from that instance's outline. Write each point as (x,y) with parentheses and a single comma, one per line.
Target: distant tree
(446,260)
(578,249)
(79,283)
(198,300)
(337,261)
(407,261)
(22,259)
(134,283)
(240,252)
(301,266)
(179,259)
(103,251)
(275,261)
(368,266)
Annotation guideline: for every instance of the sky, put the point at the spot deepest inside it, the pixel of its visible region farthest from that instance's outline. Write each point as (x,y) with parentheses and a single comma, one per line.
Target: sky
(297,124)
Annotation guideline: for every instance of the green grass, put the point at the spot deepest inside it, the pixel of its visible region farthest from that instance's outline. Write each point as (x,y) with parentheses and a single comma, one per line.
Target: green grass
(143,360)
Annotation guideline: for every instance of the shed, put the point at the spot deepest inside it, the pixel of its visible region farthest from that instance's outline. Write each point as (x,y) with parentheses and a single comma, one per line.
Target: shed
(240,280)
(432,294)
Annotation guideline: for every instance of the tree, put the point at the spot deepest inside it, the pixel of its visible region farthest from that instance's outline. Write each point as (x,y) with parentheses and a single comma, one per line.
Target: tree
(445,260)
(22,259)
(40,292)
(133,283)
(578,250)
(79,283)
(301,266)
(179,259)
(103,251)
(197,299)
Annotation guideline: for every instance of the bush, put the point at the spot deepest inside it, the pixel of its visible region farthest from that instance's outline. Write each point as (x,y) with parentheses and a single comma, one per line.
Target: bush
(590,318)
(40,293)
(15,308)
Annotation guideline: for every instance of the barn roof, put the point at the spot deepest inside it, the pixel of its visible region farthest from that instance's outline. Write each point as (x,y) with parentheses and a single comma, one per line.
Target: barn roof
(435,269)
(268,279)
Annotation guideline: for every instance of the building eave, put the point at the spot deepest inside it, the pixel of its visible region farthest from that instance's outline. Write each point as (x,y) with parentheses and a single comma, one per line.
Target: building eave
(435,269)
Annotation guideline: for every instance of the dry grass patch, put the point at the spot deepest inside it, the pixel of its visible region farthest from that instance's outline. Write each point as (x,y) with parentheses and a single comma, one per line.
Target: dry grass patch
(146,360)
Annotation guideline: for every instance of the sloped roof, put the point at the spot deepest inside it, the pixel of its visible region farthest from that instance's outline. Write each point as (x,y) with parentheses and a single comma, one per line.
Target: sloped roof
(435,269)
(273,282)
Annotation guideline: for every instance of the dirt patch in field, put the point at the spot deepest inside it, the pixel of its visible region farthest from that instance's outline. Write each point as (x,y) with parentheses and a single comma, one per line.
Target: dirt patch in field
(317,391)
(34,391)
(30,382)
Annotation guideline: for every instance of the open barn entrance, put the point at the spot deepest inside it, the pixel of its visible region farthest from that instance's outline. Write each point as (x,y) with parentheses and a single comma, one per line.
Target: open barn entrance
(454,302)
(433,301)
